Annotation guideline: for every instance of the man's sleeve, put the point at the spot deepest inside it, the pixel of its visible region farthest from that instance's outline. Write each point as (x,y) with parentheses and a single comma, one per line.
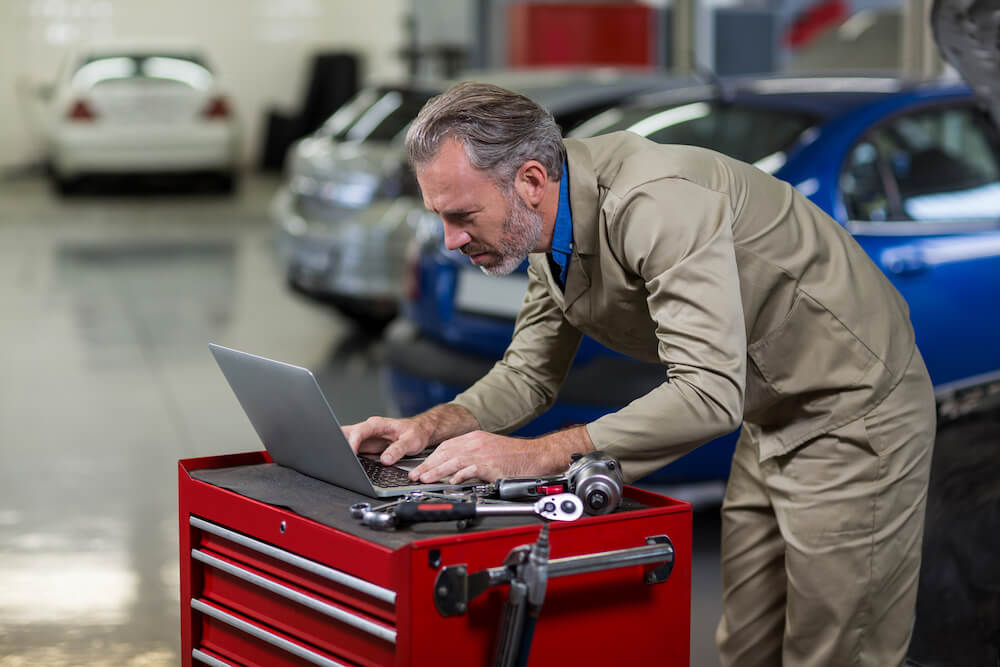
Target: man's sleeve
(525,382)
(677,236)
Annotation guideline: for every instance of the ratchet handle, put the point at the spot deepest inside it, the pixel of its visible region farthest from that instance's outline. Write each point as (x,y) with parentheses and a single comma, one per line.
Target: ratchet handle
(415,512)
(529,487)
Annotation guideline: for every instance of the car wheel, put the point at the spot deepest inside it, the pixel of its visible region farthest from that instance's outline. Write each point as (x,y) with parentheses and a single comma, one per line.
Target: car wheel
(370,316)
(227,182)
(958,603)
(65,185)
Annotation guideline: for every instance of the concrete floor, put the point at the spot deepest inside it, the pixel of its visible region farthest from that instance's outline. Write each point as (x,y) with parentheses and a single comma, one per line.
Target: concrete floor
(107,302)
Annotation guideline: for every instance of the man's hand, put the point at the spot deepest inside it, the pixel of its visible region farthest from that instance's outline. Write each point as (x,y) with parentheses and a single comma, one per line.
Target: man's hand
(397,438)
(486,456)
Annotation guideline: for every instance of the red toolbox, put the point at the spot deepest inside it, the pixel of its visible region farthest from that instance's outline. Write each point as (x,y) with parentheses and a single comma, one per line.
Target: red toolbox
(263,585)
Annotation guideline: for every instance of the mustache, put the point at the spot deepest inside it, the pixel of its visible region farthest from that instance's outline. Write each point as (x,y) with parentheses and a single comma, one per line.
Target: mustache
(471,249)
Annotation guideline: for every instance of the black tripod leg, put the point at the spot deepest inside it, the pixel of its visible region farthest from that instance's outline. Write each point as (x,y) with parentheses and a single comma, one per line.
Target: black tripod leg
(512,625)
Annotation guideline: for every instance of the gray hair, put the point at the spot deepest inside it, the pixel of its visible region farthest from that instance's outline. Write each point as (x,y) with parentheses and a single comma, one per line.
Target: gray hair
(500,130)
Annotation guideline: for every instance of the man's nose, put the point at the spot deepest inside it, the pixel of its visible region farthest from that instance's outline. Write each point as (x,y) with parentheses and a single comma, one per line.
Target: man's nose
(454,238)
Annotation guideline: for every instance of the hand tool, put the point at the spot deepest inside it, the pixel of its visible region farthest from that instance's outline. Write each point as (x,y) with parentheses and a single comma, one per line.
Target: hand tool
(383,515)
(596,478)
(560,507)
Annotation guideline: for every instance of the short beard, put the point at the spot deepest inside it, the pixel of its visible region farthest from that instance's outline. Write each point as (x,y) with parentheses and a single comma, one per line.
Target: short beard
(520,234)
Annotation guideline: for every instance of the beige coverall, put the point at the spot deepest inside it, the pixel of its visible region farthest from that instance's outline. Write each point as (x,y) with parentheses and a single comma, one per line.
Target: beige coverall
(764,312)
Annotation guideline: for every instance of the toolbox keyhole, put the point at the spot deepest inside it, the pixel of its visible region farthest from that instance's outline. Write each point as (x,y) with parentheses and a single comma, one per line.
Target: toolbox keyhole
(282,527)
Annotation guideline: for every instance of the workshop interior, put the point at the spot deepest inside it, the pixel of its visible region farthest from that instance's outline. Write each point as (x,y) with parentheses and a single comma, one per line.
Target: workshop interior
(215,255)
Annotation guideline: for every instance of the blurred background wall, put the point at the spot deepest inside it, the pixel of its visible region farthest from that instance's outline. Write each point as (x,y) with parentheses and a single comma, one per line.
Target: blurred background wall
(261,49)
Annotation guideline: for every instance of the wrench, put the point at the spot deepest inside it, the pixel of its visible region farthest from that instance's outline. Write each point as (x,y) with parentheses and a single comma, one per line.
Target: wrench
(383,516)
(380,516)
(559,507)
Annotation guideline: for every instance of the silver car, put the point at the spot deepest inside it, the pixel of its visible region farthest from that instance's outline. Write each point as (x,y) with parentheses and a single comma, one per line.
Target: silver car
(350,205)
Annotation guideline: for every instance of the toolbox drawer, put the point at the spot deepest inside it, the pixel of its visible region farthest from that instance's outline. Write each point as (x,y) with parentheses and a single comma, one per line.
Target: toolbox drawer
(234,636)
(342,616)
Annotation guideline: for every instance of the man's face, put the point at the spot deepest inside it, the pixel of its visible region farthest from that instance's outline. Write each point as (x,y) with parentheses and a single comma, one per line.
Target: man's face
(494,228)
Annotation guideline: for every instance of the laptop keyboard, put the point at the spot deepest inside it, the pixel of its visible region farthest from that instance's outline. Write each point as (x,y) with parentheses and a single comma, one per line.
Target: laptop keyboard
(387,476)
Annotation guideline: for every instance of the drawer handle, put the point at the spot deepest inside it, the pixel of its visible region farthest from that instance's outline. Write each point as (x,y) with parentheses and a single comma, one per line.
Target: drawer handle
(264,635)
(455,587)
(274,587)
(209,660)
(329,573)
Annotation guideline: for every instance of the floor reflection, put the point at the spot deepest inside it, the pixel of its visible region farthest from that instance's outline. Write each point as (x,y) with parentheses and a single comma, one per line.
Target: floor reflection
(108,307)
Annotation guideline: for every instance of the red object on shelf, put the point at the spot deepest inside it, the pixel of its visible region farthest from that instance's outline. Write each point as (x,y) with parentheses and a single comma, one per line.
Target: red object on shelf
(263,586)
(814,21)
(581,34)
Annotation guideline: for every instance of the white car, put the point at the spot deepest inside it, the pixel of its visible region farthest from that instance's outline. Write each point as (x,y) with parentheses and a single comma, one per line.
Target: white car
(140,110)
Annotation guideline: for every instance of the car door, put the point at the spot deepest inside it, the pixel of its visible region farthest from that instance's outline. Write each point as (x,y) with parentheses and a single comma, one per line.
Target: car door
(922,192)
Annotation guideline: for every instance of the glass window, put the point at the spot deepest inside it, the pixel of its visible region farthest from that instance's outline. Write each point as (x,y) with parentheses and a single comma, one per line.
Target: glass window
(385,118)
(863,186)
(745,133)
(932,166)
(175,68)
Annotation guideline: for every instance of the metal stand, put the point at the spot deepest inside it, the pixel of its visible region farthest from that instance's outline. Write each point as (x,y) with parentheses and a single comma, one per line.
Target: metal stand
(527,569)
(524,602)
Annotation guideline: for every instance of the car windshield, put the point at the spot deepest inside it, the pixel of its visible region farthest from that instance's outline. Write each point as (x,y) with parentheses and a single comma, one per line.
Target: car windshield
(177,68)
(377,115)
(751,134)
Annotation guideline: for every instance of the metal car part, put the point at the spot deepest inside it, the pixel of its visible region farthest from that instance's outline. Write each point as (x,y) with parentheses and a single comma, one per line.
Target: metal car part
(968,34)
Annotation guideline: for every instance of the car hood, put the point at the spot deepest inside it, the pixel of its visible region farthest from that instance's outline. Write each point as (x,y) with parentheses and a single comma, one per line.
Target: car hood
(324,159)
(968,34)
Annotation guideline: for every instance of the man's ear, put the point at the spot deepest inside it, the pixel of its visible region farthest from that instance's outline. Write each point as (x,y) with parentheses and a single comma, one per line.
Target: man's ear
(531,181)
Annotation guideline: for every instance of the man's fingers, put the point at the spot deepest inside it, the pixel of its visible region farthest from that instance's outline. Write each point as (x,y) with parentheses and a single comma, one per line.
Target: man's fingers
(468,472)
(441,470)
(371,434)
(372,446)
(392,453)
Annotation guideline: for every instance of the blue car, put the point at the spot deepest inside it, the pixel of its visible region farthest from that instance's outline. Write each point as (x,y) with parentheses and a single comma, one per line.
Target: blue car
(911,169)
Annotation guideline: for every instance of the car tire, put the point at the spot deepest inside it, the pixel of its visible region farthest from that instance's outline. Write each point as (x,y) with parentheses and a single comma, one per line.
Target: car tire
(65,185)
(371,317)
(228,182)
(958,603)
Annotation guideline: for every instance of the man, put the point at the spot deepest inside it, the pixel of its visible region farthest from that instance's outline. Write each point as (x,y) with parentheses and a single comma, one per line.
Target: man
(763,312)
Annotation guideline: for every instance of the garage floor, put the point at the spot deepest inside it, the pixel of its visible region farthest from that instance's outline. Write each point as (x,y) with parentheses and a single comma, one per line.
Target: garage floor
(108,301)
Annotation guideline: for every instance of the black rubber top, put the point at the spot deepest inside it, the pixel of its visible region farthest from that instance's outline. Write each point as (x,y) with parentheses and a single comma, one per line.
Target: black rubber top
(330,505)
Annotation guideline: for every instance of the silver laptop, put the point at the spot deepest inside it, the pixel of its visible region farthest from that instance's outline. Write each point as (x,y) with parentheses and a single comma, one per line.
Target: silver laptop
(299,429)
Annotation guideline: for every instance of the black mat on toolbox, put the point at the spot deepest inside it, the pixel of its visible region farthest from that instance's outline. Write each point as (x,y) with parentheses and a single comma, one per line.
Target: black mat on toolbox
(330,505)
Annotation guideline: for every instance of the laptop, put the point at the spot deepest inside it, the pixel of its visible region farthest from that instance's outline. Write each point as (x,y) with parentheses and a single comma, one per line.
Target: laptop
(300,430)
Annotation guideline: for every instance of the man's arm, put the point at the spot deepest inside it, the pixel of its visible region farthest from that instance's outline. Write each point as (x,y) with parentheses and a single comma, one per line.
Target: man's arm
(678,237)
(524,384)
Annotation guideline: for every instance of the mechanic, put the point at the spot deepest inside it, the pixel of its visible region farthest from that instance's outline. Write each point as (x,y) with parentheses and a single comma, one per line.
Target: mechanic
(763,311)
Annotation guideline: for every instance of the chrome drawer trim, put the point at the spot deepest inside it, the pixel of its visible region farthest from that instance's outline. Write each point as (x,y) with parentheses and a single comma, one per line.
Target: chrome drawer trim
(329,610)
(329,573)
(208,660)
(264,635)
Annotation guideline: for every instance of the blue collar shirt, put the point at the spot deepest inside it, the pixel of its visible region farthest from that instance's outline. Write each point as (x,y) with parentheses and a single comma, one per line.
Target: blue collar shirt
(562,237)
